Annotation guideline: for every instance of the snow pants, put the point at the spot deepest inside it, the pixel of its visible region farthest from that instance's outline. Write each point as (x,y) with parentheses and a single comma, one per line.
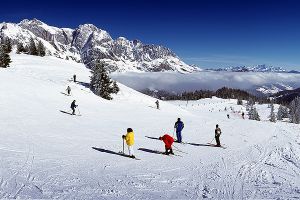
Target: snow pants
(130,150)
(218,140)
(169,150)
(179,137)
(73,111)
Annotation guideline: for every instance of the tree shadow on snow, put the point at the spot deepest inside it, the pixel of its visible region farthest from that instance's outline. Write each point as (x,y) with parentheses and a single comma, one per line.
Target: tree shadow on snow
(110,152)
(84,84)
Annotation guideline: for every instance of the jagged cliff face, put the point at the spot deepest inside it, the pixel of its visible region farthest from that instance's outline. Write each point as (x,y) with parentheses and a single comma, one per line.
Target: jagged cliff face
(87,43)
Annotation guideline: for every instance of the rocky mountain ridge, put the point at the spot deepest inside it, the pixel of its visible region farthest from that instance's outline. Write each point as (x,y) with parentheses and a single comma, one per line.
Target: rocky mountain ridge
(87,43)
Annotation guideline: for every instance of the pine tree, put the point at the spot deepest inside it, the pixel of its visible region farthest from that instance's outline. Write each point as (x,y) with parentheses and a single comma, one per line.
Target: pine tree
(272,114)
(115,88)
(41,49)
(239,102)
(101,84)
(253,114)
(20,48)
(295,111)
(282,112)
(4,58)
(32,48)
(6,45)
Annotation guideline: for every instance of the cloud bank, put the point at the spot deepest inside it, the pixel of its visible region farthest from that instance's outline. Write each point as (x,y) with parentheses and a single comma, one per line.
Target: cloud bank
(175,82)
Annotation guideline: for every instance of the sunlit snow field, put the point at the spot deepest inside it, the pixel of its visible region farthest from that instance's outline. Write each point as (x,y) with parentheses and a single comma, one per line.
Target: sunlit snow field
(48,154)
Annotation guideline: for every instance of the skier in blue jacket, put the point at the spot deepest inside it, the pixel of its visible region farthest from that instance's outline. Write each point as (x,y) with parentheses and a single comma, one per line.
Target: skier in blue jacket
(179,125)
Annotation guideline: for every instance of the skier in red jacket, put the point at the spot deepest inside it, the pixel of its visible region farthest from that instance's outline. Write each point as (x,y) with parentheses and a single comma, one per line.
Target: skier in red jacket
(168,140)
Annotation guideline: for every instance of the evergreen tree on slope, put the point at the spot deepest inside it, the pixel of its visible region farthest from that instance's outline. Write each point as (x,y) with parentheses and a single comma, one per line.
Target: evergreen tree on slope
(20,48)
(4,58)
(253,114)
(101,84)
(41,49)
(32,48)
(295,111)
(6,45)
(272,114)
(282,112)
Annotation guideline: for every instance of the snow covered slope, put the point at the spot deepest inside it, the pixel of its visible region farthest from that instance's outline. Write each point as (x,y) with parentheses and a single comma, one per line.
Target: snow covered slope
(87,43)
(48,154)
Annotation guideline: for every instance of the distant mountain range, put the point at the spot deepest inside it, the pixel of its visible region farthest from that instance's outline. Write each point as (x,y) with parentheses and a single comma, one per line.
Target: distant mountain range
(87,42)
(257,68)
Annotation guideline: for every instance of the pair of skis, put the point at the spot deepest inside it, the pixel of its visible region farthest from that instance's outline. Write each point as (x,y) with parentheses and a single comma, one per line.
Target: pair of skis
(214,145)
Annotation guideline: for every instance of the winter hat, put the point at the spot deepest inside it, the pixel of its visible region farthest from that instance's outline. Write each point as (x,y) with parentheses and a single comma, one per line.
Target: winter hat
(129,130)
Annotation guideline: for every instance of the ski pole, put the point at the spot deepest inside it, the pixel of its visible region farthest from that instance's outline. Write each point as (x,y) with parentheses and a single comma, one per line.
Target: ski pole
(212,140)
(78,111)
(123,145)
(177,149)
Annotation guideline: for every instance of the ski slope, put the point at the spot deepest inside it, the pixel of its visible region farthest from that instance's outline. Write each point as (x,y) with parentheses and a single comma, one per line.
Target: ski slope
(46,154)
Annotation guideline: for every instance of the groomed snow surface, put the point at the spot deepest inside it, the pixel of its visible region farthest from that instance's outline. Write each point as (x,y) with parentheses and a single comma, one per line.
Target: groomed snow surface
(46,154)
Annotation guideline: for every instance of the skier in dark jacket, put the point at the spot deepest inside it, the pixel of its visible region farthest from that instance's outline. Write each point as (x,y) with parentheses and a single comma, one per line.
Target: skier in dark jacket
(179,125)
(217,135)
(168,140)
(157,104)
(68,90)
(73,106)
(74,78)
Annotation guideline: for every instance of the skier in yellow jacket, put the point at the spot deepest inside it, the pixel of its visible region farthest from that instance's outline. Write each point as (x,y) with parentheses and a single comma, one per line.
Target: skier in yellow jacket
(129,138)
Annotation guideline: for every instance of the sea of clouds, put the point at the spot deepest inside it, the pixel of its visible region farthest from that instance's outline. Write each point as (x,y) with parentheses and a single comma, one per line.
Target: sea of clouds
(176,82)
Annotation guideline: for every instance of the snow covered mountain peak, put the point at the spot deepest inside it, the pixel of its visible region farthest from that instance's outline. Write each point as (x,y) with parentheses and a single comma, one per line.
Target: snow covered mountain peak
(88,42)
(256,68)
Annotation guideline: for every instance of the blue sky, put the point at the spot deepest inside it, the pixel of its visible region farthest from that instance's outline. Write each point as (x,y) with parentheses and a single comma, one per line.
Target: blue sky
(208,33)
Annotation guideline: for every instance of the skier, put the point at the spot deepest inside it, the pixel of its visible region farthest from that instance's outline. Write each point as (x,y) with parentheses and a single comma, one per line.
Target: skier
(228,116)
(68,90)
(73,106)
(179,125)
(74,78)
(168,140)
(243,115)
(157,104)
(217,135)
(129,138)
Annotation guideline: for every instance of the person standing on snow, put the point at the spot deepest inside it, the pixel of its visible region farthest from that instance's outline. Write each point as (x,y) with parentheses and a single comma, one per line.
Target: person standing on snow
(157,104)
(217,135)
(129,138)
(243,115)
(179,125)
(74,78)
(68,90)
(73,106)
(168,140)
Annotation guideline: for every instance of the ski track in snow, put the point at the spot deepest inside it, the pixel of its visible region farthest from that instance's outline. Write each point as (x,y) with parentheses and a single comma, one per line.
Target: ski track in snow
(52,157)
